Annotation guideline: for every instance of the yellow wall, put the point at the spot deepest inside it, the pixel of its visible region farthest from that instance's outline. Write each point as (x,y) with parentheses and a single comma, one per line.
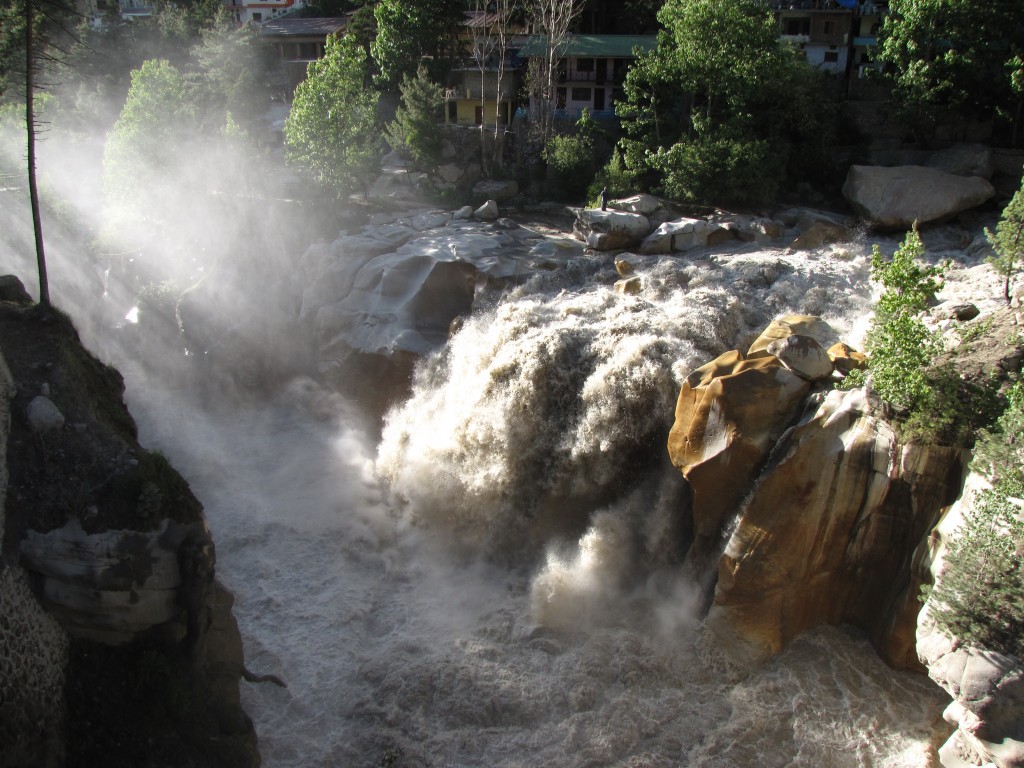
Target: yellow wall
(466,110)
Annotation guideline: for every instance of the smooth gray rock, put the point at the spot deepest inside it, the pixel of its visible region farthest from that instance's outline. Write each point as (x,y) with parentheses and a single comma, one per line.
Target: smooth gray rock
(488,211)
(679,235)
(896,198)
(43,415)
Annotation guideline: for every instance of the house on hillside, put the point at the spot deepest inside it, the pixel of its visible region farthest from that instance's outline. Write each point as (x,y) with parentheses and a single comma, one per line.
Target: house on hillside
(830,34)
(591,70)
(471,89)
(245,11)
(297,42)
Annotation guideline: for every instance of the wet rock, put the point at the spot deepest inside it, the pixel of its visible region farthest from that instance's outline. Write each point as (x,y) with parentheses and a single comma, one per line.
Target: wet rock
(432,220)
(629,285)
(609,230)
(788,325)
(43,415)
(487,212)
(845,358)
(828,534)
(802,355)
(680,235)
(896,198)
(821,233)
(728,416)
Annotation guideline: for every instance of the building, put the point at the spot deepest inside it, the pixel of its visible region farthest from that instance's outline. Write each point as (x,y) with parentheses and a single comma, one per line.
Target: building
(297,42)
(832,37)
(591,70)
(245,11)
(471,89)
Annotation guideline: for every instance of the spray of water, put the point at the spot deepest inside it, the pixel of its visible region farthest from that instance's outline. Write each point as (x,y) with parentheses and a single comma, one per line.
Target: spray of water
(497,580)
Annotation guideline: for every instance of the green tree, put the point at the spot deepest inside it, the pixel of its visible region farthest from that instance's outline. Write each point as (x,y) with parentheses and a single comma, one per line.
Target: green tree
(899,344)
(416,129)
(408,33)
(232,64)
(570,159)
(980,594)
(723,111)
(142,149)
(332,128)
(1008,240)
(953,58)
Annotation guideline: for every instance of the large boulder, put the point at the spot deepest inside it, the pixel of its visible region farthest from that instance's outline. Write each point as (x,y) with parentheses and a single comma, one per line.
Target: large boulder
(964,160)
(896,198)
(790,325)
(679,235)
(728,416)
(610,230)
(498,190)
(643,204)
(828,534)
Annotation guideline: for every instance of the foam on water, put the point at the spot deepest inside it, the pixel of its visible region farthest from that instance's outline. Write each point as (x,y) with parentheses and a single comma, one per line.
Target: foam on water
(498,582)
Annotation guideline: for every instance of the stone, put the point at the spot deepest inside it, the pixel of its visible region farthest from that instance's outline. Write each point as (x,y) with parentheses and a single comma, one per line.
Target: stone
(498,190)
(629,285)
(609,230)
(896,198)
(12,289)
(679,235)
(487,212)
(43,415)
(788,325)
(828,533)
(802,355)
(450,173)
(643,204)
(112,586)
(431,220)
(964,160)
(465,212)
(821,233)
(955,310)
(728,416)
(845,358)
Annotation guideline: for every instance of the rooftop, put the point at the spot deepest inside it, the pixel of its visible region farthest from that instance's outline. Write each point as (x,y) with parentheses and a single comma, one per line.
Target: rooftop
(611,46)
(299,27)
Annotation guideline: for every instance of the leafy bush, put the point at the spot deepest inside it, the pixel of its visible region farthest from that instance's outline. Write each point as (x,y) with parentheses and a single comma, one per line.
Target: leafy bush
(930,401)
(615,177)
(720,169)
(570,159)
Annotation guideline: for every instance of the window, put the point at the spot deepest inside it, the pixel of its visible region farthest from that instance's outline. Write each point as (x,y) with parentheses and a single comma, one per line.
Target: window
(307,51)
(828,27)
(584,65)
(257,17)
(831,57)
(798,27)
(581,94)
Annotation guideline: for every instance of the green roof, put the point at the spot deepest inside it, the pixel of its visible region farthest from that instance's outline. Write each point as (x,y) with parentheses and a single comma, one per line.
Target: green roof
(597,46)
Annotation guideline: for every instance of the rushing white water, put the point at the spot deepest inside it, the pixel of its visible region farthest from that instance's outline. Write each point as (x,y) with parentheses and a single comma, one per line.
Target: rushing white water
(498,581)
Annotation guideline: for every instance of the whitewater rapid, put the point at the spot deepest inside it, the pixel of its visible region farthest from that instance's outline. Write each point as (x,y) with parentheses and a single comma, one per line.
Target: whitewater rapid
(495,578)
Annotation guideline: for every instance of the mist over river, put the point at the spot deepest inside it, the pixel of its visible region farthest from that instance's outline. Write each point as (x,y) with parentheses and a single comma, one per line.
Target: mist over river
(495,577)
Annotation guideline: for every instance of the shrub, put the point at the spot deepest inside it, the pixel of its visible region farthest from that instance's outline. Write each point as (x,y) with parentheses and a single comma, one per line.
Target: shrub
(570,159)
(979,597)
(1008,241)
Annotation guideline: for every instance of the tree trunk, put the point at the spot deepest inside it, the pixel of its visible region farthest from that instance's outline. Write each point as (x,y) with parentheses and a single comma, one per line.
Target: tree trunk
(30,127)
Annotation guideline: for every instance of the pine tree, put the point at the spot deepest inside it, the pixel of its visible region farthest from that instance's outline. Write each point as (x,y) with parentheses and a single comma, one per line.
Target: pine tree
(416,129)
(1008,241)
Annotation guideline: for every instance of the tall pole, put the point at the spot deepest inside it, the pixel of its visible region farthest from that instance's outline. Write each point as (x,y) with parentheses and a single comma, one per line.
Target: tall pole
(30,127)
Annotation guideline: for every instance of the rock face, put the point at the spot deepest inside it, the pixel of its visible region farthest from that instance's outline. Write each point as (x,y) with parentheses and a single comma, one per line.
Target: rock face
(828,532)
(378,300)
(830,509)
(728,416)
(894,198)
(121,568)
